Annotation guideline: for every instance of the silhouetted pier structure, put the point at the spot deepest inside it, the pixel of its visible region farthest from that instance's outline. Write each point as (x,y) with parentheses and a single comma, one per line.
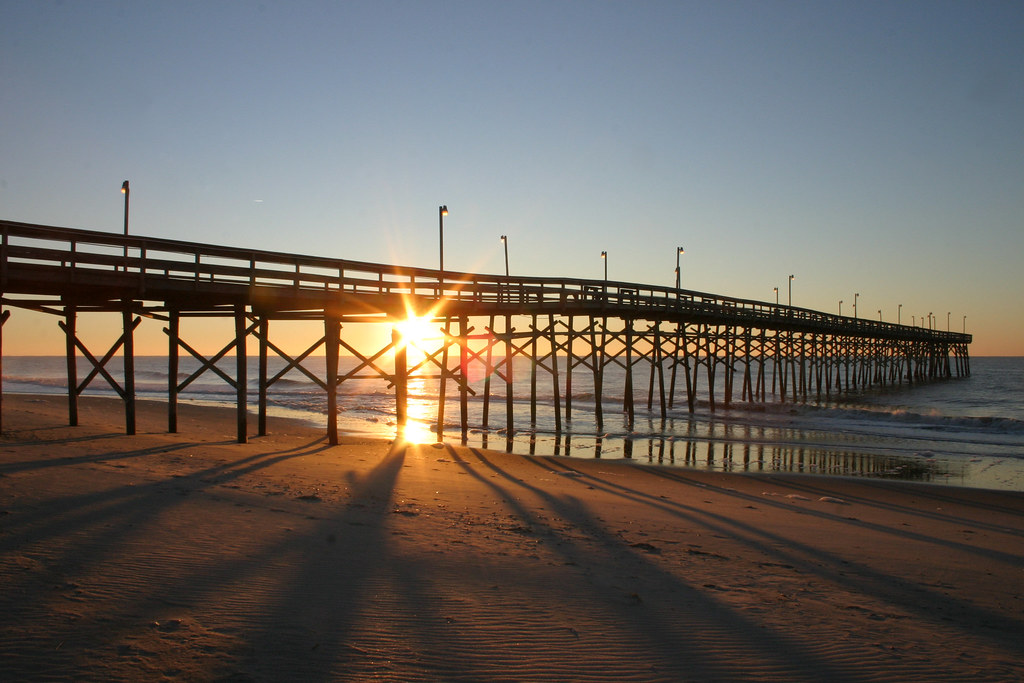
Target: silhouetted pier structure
(738,349)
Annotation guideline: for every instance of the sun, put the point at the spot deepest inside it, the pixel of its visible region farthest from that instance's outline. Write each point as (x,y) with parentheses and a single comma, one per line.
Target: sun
(416,330)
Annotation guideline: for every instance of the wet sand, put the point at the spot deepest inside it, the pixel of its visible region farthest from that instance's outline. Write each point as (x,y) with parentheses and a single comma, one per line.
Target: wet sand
(191,557)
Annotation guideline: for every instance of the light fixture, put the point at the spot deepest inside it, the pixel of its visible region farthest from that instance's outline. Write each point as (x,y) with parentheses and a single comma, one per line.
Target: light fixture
(442,211)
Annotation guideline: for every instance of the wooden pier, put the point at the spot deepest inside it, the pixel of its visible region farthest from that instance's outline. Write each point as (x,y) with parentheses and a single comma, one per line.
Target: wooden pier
(736,349)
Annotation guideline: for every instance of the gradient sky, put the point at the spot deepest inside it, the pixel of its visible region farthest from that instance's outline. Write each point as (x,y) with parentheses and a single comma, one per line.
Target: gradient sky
(869,147)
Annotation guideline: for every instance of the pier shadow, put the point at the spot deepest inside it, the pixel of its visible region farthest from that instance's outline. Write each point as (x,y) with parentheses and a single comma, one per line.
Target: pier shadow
(330,592)
(676,638)
(913,597)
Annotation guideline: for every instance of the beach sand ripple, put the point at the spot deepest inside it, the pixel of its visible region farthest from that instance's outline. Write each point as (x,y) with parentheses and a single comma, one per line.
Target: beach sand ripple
(190,557)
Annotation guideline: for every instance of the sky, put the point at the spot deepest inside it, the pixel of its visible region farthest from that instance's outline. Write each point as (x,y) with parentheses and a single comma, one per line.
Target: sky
(874,148)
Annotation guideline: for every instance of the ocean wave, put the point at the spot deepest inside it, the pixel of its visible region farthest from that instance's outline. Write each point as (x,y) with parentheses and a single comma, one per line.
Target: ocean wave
(904,417)
(42,382)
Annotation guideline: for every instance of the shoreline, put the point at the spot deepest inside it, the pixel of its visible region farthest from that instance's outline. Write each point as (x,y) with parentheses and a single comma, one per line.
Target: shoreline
(191,557)
(963,433)
(727,453)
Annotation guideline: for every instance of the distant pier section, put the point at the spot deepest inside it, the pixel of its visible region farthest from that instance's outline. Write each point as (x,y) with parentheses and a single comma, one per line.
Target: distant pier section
(733,349)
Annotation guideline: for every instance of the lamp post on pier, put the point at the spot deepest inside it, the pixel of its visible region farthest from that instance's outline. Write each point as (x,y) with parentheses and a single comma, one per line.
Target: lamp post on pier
(126,191)
(947,320)
(679,250)
(899,314)
(879,315)
(855,304)
(776,296)
(604,257)
(504,242)
(965,324)
(840,308)
(791,289)
(442,211)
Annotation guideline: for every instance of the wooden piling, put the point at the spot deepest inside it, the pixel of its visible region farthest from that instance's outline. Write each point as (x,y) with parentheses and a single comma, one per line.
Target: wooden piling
(533,371)
(488,372)
(553,341)
(464,331)
(241,379)
(70,330)
(509,417)
(4,315)
(570,365)
(443,384)
(660,369)
(332,339)
(628,391)
(129,323)
(264,340)
(597,363)
(173,332)
(400,378)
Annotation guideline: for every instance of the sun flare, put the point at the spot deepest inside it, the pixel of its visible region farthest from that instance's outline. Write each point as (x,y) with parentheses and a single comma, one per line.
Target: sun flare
(416,330)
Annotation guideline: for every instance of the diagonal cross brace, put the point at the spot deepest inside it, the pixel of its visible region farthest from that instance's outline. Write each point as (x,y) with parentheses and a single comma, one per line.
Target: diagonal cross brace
(211,364)
(431,357)
(99,366)
(366,363)
(294,363)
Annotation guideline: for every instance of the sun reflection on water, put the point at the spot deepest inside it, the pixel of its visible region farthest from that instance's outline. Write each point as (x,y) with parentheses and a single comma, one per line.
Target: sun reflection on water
(420,415)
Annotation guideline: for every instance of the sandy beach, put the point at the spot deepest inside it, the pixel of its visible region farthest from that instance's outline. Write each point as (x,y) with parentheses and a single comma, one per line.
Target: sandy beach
(191,557)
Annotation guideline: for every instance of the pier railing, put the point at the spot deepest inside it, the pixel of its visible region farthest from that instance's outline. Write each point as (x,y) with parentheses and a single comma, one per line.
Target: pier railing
(45,260)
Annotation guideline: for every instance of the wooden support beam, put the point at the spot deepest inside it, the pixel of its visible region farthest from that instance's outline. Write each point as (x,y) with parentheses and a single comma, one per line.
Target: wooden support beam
(792,364)
(675,337)
(263,336)
(464,331)
(442,387)
(650,375)
(241,382)
(488,371)
(691,387)
(554,372)
(533,371)
(728,362)
(710,360)
(659,367)
(570,363)
(332,337)
(597,351)
(628,393)
(70,330)
(509,416)
(173,333)
(129,323)
(4,315)
(400,378)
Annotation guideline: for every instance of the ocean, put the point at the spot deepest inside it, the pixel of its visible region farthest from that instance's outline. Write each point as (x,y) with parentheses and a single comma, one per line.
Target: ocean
(964,431)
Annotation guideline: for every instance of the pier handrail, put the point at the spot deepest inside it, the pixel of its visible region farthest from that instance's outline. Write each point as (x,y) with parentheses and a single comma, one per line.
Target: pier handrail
(45,255)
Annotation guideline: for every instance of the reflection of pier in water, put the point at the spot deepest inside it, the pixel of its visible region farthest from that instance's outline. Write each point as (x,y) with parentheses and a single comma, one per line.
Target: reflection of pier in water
(728,456)
(690,343)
